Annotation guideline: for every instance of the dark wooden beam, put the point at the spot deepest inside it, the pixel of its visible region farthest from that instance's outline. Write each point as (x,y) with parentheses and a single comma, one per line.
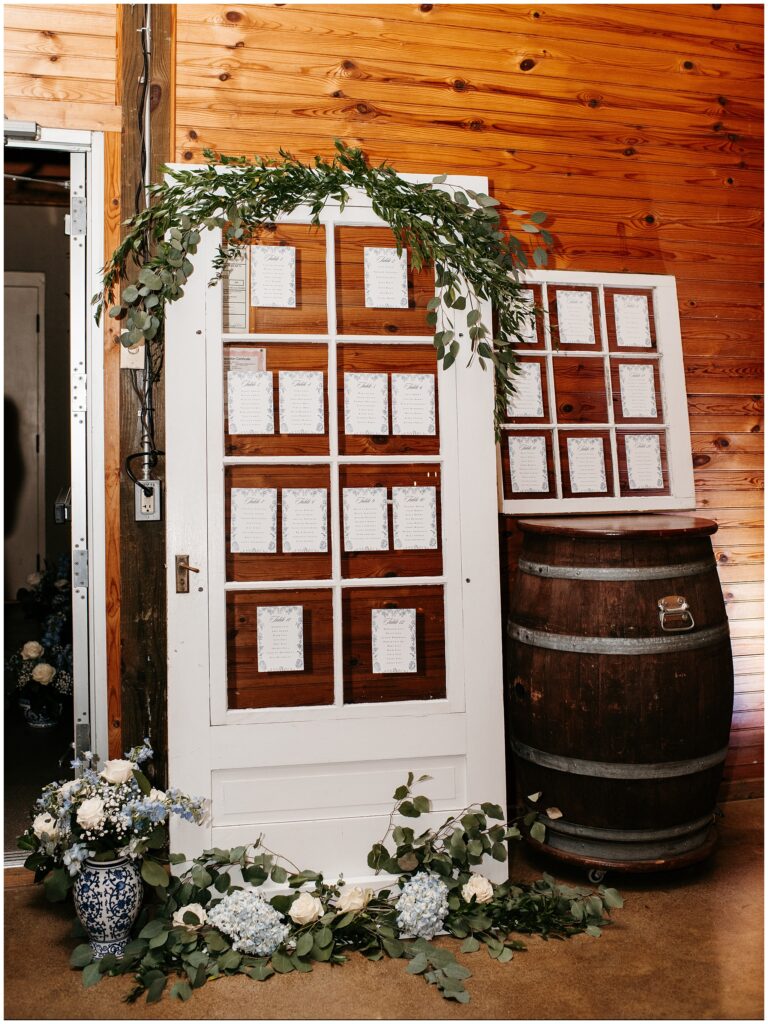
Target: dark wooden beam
(143,689)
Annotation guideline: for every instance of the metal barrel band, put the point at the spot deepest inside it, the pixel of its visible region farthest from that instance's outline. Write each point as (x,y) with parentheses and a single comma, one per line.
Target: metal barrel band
(618,645)
(616,770)
(617,835)
(645,572)
(628,853)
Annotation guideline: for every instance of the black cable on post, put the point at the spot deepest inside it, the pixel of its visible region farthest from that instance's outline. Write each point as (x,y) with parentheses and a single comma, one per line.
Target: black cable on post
(144,386)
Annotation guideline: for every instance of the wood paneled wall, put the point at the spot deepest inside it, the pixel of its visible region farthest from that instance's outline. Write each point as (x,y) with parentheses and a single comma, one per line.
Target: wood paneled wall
(637,127)
(61,65)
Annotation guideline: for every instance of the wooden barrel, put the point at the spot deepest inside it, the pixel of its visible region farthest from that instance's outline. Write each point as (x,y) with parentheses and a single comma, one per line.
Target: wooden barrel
(620,691)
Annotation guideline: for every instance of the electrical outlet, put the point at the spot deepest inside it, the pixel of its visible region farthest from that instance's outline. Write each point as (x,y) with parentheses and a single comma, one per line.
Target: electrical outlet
(147,506)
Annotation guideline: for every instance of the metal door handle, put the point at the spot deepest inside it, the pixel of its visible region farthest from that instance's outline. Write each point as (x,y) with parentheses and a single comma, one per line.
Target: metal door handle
(183,569)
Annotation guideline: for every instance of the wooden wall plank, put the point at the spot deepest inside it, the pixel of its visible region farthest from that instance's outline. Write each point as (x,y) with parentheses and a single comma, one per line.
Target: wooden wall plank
(61,65)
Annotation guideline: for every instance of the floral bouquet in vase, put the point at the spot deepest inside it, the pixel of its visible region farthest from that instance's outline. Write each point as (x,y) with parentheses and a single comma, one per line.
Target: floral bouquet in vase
(101,834)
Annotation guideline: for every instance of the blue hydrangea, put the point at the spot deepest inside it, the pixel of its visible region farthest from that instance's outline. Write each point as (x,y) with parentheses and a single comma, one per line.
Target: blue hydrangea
(254,926)
(73,857)
(422,906)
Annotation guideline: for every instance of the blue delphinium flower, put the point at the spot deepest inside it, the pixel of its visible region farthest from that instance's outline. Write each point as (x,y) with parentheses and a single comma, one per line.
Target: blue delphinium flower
(422,906)
(254,926)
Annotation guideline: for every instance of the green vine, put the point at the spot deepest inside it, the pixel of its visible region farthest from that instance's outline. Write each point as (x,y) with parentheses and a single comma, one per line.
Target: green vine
(453,229)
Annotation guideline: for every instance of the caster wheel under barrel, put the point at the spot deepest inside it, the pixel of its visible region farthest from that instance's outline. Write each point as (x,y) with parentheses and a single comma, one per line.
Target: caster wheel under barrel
(595,875)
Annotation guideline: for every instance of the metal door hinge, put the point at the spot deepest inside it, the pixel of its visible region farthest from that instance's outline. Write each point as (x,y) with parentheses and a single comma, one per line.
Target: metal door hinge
(79,392)
(76,221)
(80,567)
(82,738)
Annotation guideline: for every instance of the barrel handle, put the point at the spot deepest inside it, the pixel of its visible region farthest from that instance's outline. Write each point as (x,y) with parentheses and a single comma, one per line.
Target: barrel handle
(674,614)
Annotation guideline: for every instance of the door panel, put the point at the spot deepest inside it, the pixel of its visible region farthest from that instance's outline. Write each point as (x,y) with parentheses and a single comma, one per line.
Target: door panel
(312,750)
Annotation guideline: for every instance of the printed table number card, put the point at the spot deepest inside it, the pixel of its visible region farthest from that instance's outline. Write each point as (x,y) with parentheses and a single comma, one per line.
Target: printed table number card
(366,403)
(393,640)
(365,519)
(528,465)
(413,404)
(586,465)
(273,276)
(638,394)
(253,520)
(305,519)
(235,294)
(250,405)
(280,638)
(527,402)
(644,469)
(576,325)
(302,403)
(633,325)
(527,325)
(414,518)
(386,278)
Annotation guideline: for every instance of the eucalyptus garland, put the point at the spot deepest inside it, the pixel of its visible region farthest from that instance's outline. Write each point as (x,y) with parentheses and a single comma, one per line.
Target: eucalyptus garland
(217,915)
(455,230)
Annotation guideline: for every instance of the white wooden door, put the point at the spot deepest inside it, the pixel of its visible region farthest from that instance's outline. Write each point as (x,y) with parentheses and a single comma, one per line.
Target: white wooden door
(317,779)
(24,394)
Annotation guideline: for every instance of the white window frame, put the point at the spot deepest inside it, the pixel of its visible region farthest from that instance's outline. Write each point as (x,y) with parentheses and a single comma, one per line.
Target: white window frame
(668,356)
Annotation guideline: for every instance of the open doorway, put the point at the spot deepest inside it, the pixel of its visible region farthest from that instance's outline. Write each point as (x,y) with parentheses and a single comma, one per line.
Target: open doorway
(53,575)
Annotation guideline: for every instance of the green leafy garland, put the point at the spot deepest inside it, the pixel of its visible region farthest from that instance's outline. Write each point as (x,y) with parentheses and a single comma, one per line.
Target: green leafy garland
(457,231)
(191,952)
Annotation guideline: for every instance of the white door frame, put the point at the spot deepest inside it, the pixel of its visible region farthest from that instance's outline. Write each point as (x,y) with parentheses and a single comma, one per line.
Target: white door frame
(87,424)
(199,739)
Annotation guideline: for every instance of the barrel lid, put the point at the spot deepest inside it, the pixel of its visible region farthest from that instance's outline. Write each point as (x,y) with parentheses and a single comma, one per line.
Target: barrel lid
(619,526)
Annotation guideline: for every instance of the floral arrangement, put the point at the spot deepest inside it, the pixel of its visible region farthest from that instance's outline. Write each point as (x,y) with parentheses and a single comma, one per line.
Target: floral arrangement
(40,672)
(249,911)
(102,815)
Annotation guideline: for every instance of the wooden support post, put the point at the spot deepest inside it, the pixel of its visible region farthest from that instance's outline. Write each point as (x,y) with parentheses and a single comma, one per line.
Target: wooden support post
(143,690)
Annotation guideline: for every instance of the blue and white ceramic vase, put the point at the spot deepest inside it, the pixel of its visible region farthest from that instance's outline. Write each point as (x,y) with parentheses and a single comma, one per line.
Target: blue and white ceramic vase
(108,897)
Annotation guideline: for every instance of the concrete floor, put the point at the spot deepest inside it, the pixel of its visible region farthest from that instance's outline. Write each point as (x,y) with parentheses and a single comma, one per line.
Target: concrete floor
(686,946)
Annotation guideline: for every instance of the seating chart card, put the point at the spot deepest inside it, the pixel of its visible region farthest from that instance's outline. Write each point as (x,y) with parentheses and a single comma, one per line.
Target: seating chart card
(576,325)
(393,640)
(414,518)
(366,403)
(413,403)
(305,519)
(528,324)
(253,523)
(250,405)
(302,402)
(386,278)
(235,295)
(644,469)
(273,276)
(586,465)
(633,326)
(638,393)
(280,638)
(528,464)
(528,401)
(365,519)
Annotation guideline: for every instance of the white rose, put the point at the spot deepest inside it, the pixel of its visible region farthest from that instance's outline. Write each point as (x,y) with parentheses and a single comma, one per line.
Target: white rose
(117,770)
(157,795)
(305,909)
(66,788)
(354,899)
(43,673)
(31,649)
(34,578)
(479,887)
(90,813)
(191,908)
(45,824)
